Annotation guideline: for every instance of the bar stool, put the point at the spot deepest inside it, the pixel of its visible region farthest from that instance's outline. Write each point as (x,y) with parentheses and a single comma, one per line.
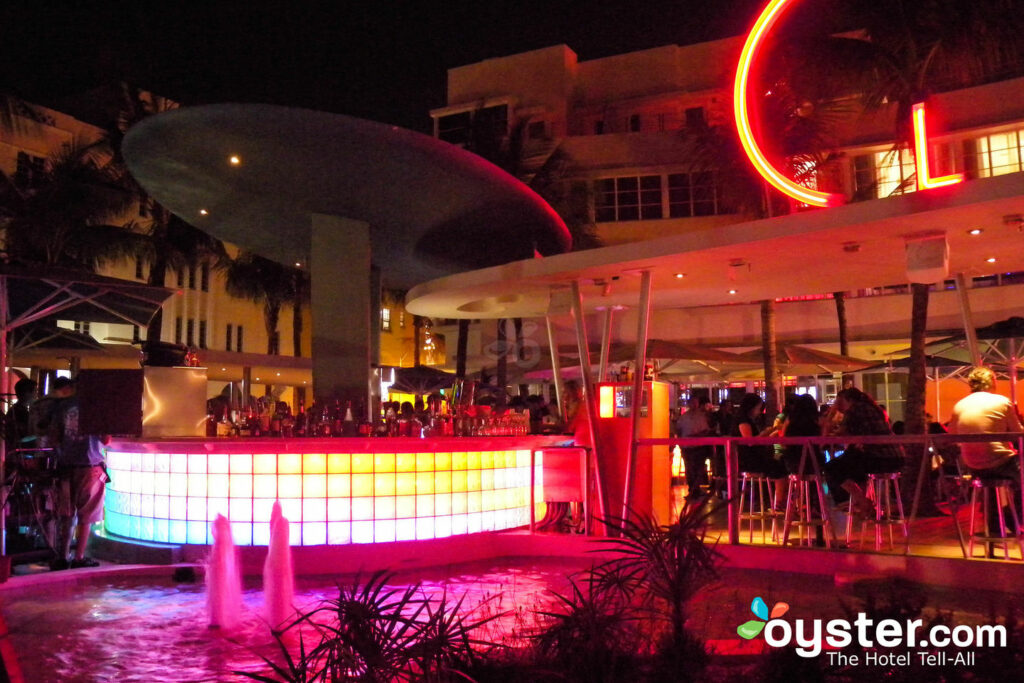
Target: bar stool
(882,488)
(755,486)
(801,513)
(991,491)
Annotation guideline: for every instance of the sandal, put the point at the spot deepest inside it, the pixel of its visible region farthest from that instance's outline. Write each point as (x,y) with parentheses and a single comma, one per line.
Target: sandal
(84,562)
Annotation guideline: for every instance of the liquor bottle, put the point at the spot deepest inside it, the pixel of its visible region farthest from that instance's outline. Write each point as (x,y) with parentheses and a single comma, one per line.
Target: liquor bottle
(348,423)
(300,421)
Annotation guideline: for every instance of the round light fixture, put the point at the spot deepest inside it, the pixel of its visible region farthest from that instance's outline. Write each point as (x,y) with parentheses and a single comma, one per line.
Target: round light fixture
(975,231)
(235,160)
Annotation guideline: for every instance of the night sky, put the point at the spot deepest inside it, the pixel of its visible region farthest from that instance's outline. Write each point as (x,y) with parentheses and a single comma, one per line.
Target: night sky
(374,59)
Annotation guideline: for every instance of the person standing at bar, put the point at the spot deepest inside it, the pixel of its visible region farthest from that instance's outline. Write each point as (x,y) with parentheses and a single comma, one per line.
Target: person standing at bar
(694,422)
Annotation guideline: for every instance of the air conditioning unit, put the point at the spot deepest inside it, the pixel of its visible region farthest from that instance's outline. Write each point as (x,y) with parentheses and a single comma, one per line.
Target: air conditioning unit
(927,258)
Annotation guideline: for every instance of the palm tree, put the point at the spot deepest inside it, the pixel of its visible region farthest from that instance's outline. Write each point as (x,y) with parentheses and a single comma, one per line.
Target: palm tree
(64,213)
(265,282)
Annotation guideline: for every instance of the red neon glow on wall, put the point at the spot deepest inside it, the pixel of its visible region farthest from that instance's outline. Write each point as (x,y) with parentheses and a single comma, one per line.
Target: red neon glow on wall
(925,181)
(776,179)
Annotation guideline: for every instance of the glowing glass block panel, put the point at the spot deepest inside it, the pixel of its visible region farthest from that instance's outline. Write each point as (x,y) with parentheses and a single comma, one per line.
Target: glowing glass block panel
(339,463)
(384,485)
(217,463)
(424,505)
(424,528)
(240,510)
(314,510)
(405,530)
(362,462)
(487,460)
(145,482)
(339,485)
(442,461)
(116,523)
(179,462)
(510,459)
(136,465)
(459,525)
(264,486)
(425,482)
(486,480)
(405,506)
(339,533)
(442,527)
(384,531)
(442,504)
(362,532)
(216,506)
(522,458)
(314,463)
(196,509)
(460,481)
(499,478)
(459,461)
(147,462)
(261,508)
(460,503)
(161,507)
(314,533)
(217,484)
(474,480)
(424,462)
(117,460)
(116,502)
(241,463)
(146,529)
(442,482)
(289,463)
(161,483)
(135,481)
(488,501)
(405,483)
(384,462)
(264,463)
(161,533)
(474,501)
(339,509)
(134,527)
(178,507)
(474,525)
(196,485)
(240,485)
(487,520)
(261,533)
(314,485)
(161,462)
(117,480)
(405,462)
(291,509)
(473,460)
(241,533)
(362,508)
(197,533)
(177,532)
(146,508)
(197,463)
(384,508)
(362,485)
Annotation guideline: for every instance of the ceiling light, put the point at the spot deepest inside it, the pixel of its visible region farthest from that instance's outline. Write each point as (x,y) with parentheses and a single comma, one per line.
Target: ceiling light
(223,369)
(991,259)
(975,231)
(732,291)
(279,374)
(680,276)
(257,379)
(235,160)
(298,264)
(203,212)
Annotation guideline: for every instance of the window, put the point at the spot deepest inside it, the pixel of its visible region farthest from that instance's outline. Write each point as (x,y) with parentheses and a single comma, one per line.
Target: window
(136,334)
(385,320)
(191,277)
(202,334)
(695,117)
(227,338)
(455,128)
(634,123)
(30,168)
(883,174)
(190,333)
(599,127)
(628,199)
(138,269)
(996,154)
(81,327)
(238,339)
(692,194)
(177,330)
(204,277)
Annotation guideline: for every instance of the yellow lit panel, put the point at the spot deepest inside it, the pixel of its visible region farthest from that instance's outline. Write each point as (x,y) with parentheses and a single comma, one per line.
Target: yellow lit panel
(459,461)
(424,482)
(339,463)
(460,481)
(405,484)
(241,463)
(362,485)
(264,463)
(384,485)
(442,482)
(289,463)
(384,462)
(473,461)
(264,486)
(487,459)
(424,462)
(459,503)
(405,462)
(362,462)
(314,486)
(339,485)
(314,463)
(606,401)
(289,486)
(442,461)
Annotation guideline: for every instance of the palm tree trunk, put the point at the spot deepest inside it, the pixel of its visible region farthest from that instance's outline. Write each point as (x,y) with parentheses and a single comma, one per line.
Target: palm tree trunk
(771,360)
(914,413)
(271,315)
(417,325)
(461,349)
(502,371)
(844,338)
(299,297)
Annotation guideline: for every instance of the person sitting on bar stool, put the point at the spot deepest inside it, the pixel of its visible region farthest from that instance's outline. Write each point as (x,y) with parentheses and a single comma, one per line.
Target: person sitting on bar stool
(984,412)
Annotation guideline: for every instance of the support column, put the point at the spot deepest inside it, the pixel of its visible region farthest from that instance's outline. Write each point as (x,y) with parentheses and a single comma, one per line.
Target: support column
(643,319)
(606,345)
(556,366)
(965,313)
(340,302)
(590,395)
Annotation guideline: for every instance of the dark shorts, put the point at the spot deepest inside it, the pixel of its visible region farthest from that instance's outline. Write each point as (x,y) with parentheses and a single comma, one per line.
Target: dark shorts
(80,493)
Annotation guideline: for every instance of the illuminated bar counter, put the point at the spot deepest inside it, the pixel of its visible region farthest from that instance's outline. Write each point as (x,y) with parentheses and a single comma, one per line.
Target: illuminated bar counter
(334,491)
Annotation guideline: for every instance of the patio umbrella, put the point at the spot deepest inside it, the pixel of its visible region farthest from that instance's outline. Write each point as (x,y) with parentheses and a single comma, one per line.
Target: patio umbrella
(941,368)
(801,360)
(1001,345)
(46,335)
(421,380)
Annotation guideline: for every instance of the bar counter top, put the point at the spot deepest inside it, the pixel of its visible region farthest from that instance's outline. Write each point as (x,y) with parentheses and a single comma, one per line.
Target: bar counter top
(240,444)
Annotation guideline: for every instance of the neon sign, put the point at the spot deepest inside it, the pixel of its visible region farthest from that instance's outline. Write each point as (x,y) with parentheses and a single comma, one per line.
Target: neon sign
(806,195)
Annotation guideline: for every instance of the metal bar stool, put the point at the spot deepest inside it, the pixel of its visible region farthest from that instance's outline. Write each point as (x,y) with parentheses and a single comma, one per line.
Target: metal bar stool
(991,491)
(882,488)
(801,512)
(755,486)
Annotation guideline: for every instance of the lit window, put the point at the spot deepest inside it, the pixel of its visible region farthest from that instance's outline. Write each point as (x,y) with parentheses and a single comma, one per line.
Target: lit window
(628,199)
(998,154)
(884,174)
(385,320)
